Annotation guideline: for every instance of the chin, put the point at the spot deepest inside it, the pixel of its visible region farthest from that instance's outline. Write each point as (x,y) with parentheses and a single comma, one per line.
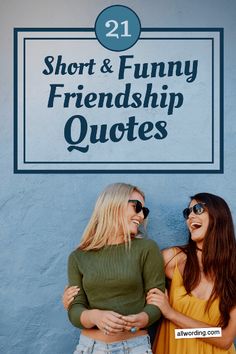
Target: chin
(133,233)
(197,238)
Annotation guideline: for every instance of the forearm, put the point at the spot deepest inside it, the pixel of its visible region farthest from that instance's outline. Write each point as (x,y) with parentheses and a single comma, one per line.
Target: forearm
(182,321)
(88,318)
(154,277)
(153,313)
(74,313)
(139,320)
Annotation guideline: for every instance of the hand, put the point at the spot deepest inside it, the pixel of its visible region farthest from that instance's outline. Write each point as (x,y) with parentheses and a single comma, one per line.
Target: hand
(158,298)
(109,322)
(137,321)
(69,295)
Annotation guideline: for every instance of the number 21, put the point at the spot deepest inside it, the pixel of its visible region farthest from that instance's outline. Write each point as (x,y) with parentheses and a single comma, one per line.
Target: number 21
(115,25)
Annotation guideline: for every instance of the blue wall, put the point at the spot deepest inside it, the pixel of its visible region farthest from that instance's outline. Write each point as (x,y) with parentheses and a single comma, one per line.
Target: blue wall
(42,216)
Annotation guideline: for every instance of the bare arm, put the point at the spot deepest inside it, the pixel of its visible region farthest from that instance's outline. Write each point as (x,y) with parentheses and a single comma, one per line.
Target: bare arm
(171,256)
(228,334)
(105,320)
(223,342)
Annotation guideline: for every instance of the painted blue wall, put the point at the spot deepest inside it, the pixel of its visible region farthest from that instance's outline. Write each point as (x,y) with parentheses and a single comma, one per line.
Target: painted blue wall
(42,216)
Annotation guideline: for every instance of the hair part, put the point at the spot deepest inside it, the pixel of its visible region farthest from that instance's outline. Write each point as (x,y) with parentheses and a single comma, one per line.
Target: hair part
(108,218)
(218,256)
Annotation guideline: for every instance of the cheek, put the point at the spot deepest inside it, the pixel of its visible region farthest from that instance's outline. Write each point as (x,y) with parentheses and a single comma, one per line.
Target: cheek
(188,224)
(129,212)
(207,221)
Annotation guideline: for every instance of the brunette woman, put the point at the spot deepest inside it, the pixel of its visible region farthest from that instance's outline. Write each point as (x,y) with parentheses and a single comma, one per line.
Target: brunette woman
(202,293)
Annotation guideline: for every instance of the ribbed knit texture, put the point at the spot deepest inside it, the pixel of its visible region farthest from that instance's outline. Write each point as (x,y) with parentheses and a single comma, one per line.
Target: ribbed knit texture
(116,278)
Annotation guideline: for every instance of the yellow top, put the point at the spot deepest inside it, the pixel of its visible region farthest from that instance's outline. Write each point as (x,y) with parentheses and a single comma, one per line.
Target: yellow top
(193,307)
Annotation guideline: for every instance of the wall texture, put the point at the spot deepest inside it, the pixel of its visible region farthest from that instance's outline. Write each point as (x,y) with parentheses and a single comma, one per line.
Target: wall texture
(42,216)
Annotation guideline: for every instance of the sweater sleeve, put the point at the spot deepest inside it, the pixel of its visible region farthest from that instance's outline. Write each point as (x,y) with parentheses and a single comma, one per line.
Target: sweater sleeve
(80,303)
(153,277)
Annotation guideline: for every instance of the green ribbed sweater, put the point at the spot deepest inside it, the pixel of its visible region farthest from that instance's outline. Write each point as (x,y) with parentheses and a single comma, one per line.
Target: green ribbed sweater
(116,278)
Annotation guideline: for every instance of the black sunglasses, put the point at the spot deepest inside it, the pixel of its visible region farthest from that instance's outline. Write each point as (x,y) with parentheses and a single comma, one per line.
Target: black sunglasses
(139,207)
(198,209)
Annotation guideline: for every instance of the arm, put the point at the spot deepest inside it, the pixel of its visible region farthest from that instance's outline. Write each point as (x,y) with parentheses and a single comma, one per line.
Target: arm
(228,334)
(80,302)
(153,276)
(223,342)
(79,313)
(169,264)
(109,321)
(170,256)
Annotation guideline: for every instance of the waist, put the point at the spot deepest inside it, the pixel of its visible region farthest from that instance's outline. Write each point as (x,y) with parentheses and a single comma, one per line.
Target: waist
(98,335)
(141,343)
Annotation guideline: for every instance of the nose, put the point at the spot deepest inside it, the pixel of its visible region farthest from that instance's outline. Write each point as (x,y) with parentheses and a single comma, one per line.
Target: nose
(191,214)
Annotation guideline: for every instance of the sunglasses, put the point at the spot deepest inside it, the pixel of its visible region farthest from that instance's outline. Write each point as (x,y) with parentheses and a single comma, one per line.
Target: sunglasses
(198,209)
(139,207)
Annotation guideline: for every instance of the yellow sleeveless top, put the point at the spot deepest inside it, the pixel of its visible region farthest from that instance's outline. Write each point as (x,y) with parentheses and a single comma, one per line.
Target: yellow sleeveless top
(193,307)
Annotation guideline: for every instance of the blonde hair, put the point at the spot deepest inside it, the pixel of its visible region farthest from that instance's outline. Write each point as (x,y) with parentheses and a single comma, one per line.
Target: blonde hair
(108,217)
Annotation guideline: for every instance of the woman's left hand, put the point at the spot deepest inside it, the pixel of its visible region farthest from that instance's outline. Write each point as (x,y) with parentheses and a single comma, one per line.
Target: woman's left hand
(158,298)
(136,322)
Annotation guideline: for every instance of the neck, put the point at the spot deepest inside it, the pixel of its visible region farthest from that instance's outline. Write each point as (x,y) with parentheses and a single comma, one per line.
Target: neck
(198,249)
(116,240)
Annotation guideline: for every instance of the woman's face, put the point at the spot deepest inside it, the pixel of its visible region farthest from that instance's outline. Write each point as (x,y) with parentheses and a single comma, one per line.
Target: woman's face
(198,225)
(134,219)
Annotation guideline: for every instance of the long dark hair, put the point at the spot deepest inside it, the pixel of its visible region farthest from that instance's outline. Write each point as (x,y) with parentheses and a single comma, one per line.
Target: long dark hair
(218,256)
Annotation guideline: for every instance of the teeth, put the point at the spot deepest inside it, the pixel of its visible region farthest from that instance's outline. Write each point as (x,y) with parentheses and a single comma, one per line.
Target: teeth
(136,222)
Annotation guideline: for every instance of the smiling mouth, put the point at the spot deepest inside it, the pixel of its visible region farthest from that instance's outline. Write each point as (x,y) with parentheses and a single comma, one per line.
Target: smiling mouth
(136,222)
(195,225)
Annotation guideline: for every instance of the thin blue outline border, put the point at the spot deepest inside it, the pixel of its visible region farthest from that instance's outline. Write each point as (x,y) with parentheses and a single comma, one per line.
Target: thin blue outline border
(221,142)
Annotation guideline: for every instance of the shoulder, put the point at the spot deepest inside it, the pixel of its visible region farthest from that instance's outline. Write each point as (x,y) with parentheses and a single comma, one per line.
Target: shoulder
(148,250)
(173,256)
(75,252)
(75,255)
(145,243)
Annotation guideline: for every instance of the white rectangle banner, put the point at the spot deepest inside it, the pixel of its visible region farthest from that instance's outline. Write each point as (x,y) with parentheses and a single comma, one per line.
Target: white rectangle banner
(198,332)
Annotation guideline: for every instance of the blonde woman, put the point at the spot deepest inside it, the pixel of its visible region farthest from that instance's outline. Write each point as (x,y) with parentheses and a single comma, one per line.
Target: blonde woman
(111,272)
